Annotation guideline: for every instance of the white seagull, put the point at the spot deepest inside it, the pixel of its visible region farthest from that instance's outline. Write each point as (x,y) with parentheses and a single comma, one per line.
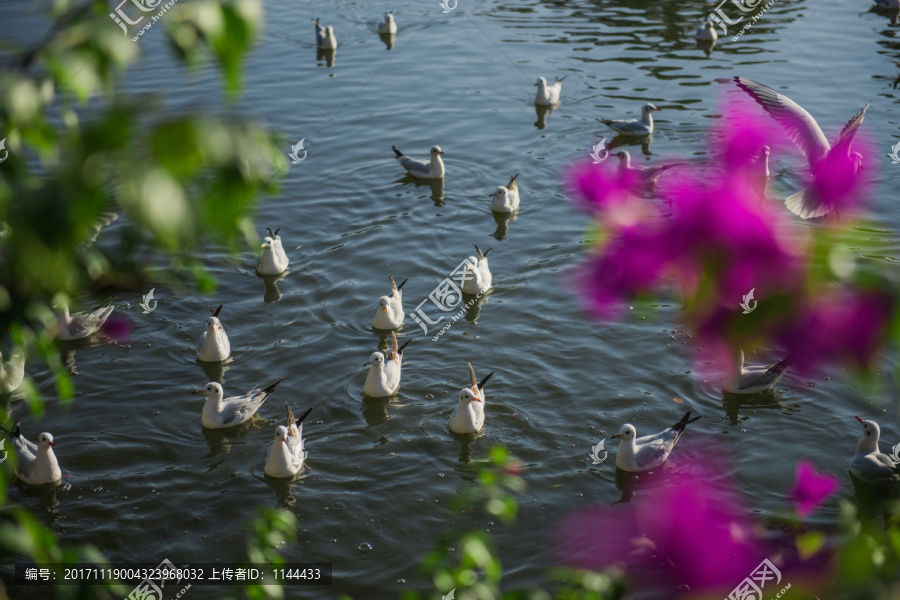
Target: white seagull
(383,379)
(548,95)
(82,324)
(219,412)
(389,314)
(468,416)
(706,32)
(213,345)
(286,456)
(647,176)
(506,198)
(325,39)
(869,463)
(750,380)
(635,127)
(642,454)
(423,169)
(12,371)
(388,25)
(478,278)
(809,139)
(37,462)
(272,260)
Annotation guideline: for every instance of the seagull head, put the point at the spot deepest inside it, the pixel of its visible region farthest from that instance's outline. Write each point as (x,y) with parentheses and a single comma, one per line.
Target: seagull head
(213,324)
(623,155)
(468,396)
(389,17)
(500,192)
(541,82)
(45,439)
(871,430)
(649,108)
(627,432)
(329,30)
(436,151)
(268,243)
(281,433)
(210,390)
(376,359)
(383,303)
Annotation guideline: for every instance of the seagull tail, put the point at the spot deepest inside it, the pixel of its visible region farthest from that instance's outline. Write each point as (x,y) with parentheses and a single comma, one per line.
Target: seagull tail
(680,425)
(271,387)
(781,366)
(605,121)
(397,152)
(303,416)
(806,204)
(405,344)
(485,380)
(400,287)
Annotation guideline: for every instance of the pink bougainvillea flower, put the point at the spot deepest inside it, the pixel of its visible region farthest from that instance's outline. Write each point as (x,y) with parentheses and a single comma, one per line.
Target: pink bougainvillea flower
(811,488)
(117,327)
(847,325)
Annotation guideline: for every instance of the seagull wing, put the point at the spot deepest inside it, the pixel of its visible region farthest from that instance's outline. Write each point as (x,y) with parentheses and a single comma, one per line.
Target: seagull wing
(799,124)
(850,129)
(414,165)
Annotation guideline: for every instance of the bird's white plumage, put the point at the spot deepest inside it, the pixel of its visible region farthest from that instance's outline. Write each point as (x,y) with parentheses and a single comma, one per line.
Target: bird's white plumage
(12,371)
(635,127)
(80,325)
(548,93)
(389,314)
(478,277)
(287,454)
(869,463)
(755,378)
(214,345)
(423,169)
(220,412)
(383,379)
(325,39)
(642,454)
(647,176)
(272,259)
(505,199)
(388,25)
(37,462)
(468,415)
(706,32)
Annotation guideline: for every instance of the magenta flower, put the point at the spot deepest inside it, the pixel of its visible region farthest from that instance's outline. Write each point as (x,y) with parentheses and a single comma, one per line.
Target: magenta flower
(118,327)
(811,488)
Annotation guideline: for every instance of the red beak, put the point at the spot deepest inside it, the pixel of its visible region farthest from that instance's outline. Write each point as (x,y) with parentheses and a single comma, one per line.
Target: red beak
(858,419)
(52,444)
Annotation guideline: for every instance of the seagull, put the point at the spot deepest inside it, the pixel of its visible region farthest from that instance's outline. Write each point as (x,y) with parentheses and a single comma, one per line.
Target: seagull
(762,170)
(548,95)
(869,463)
(12,371)
(286,456)
(383,379)
(506,198)
(468,416)
(82,324)
(37,462)
(750,380)
(809,139)
(213,345)
(389,314)
(219,413)
(272,260)
(325,39)
(478,278)
(647,176)
(706,32)
(643,454)
(388,25)
(636,127)
(423,169)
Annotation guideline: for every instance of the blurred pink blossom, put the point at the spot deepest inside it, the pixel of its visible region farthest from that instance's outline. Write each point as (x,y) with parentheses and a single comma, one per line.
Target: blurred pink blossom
(811,488)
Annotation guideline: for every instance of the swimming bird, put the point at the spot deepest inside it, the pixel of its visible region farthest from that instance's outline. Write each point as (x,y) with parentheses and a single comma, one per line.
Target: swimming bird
(37,462)
(213,345)
(273,259)
(286,456)
(646,176)
(325,39)
(389,314)
(423,169)
(468,416)
(806,134)
(383,379)
(642,454)
(506,198)
(548,95)
(750,380)
(81,324)
(219,412)
(388,25)
(12,371)
(635,127)
(706,32)
(513,187)
(869,463)
(478,277)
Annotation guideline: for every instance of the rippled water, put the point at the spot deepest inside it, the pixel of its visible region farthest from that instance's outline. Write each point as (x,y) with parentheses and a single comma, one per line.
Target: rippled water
(147,482)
